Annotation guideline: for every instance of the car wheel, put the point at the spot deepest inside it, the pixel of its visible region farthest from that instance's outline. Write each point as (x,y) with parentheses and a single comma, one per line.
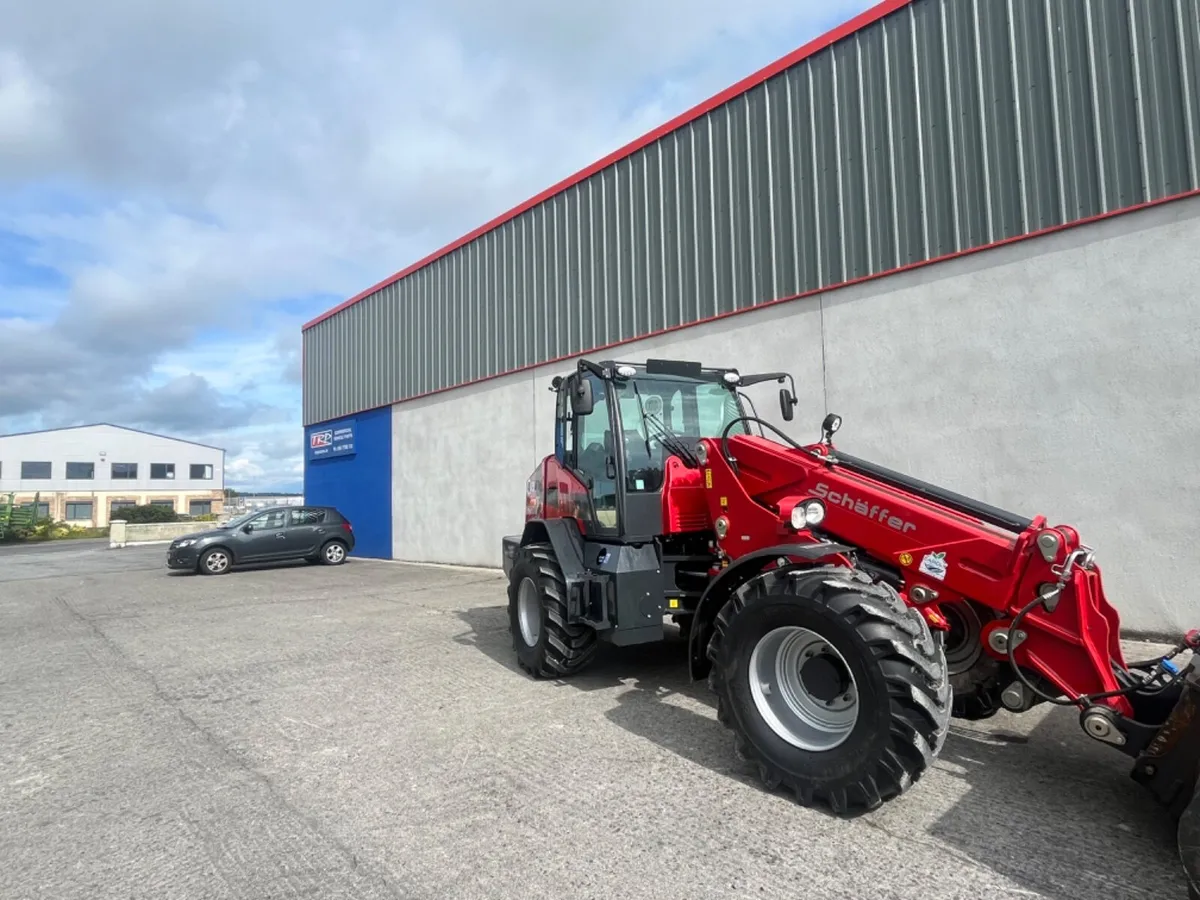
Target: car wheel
(333,553)
(215,562)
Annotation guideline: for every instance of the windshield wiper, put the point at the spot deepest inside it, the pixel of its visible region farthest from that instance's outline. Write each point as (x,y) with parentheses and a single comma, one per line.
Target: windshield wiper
(642,409)
(672,441)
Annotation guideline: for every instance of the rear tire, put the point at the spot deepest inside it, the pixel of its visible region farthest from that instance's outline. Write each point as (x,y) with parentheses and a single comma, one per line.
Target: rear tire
(975,677)
(546,646)
(855,704)
(333,553)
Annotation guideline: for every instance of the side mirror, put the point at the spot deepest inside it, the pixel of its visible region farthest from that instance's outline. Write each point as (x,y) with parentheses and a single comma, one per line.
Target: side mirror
(787,404)
(582,401)
(831,424)
(248,527)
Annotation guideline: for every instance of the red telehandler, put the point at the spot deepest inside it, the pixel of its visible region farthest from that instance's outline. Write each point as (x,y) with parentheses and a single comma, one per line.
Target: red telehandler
(841,612)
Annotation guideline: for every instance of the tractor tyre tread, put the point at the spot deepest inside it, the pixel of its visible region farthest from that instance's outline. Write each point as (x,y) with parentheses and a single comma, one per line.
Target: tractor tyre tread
(901,649)
(566,649)
(1188,843)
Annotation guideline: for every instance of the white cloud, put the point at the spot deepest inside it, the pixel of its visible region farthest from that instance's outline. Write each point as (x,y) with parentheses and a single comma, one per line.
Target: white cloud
(192,168)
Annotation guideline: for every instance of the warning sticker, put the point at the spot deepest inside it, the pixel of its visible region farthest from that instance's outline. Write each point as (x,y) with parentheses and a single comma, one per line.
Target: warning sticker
(934,565)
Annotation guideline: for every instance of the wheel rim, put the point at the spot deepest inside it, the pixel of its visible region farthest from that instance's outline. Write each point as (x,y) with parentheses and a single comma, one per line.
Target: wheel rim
(334,553)
(529,612)
(803,688)
(216,562)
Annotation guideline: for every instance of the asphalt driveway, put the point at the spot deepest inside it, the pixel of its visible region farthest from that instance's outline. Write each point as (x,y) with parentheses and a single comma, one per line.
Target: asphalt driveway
(362,732)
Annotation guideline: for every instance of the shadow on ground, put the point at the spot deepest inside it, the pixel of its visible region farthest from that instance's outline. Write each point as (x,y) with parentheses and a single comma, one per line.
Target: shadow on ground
(265,566)
(1049,809)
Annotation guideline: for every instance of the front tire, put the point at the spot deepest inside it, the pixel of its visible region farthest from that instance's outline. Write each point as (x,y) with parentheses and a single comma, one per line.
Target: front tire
(832,686)
(216,561)
(546,646)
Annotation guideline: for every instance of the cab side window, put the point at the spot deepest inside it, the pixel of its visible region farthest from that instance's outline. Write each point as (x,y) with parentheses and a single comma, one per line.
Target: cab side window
(597,454)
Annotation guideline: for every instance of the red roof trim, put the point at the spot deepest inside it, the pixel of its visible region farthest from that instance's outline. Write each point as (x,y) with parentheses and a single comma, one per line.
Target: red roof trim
(859,22)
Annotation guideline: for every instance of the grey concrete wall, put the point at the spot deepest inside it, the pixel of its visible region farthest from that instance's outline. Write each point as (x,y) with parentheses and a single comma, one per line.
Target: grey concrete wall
(1057,375)
(121,533)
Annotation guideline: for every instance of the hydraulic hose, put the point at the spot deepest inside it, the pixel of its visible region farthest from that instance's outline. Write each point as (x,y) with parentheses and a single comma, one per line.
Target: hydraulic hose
(1081,699)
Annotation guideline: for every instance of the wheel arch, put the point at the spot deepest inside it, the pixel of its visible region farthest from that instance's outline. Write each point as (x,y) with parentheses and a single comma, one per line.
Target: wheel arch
(564,538)
(721,588)
(233,557)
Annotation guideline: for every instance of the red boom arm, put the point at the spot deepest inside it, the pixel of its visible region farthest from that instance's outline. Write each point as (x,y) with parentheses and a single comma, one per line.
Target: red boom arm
(942,555)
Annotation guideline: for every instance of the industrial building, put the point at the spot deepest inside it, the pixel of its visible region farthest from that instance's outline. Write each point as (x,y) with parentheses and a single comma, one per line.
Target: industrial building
(85,475)
(969,228)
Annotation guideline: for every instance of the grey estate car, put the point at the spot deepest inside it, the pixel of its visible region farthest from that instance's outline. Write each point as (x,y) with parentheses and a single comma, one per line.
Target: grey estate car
(312,533)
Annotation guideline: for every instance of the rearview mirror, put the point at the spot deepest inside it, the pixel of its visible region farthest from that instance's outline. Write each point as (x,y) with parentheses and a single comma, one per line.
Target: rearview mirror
(831,424)
(582,401)
(787,404)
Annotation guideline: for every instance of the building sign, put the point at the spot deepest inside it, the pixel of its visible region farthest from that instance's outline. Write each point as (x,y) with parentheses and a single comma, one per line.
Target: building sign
(333,441)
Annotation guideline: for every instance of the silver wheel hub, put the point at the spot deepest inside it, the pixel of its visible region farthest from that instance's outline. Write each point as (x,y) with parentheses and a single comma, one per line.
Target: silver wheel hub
(529,612)
(334,553)
(217,562)
(803,688)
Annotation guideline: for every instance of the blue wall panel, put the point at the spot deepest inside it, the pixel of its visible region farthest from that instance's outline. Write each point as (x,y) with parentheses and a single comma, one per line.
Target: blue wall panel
(348,464)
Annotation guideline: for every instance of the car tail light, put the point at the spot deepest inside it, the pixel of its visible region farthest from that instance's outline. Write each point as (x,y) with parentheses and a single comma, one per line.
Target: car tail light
(348,526)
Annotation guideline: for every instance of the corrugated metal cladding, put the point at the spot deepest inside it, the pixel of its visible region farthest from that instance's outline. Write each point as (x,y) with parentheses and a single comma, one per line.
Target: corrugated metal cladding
(947,125)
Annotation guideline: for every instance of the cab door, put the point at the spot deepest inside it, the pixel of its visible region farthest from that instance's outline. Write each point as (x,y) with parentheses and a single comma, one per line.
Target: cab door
(593,455)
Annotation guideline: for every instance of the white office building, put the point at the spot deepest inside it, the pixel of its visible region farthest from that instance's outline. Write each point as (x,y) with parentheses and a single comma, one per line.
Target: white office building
(85,475)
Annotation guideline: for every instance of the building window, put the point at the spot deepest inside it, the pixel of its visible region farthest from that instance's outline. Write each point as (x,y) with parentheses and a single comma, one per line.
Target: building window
(201,472)
(43,511)
(81,471)
(35,470)
(124,470)
(169,504)
(118,505)
(200,508)
(78,511)
(162,471)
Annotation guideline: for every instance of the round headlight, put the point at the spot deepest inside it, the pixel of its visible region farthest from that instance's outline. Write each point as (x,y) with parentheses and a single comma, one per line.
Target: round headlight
(808,514)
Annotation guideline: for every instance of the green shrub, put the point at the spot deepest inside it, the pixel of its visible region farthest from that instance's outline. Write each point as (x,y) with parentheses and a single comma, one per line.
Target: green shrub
(49,530)
(148,513)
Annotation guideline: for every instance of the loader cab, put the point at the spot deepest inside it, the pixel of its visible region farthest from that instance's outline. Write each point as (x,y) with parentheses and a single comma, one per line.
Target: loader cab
(614,422)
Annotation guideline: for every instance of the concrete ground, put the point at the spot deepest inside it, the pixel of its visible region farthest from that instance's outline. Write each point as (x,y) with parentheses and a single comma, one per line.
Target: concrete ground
(362,732)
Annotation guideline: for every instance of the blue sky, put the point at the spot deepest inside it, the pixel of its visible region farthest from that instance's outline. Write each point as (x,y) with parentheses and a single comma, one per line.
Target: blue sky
(183,185)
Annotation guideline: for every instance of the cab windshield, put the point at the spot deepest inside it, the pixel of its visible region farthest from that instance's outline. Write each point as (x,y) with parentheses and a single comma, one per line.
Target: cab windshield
(656,407)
